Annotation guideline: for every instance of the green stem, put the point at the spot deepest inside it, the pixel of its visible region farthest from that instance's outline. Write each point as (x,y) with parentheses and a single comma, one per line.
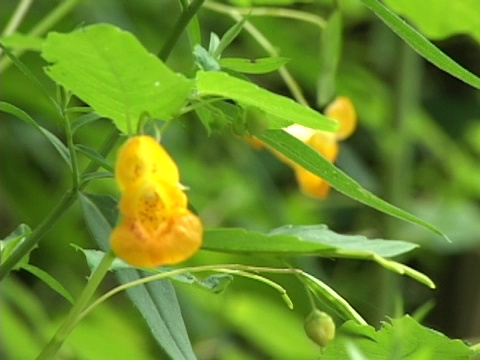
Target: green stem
(52,218)
(397,163)
(37,234)
(17,17)
(72,319)
(71,149)
(43,26)
(292,85)
(270,12)
(180,26)
(172,273)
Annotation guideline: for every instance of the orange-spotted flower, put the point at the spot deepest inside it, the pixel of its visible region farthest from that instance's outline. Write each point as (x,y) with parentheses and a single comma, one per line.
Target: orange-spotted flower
(326,143)
(156,227)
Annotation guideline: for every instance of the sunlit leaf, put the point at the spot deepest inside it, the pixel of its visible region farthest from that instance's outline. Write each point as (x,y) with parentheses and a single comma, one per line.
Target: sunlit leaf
(429,16)
(403,338)
(113,73)
(215,83)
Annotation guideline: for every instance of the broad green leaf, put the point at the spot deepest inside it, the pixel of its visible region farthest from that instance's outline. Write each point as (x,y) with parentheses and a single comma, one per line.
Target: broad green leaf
(246,93)
(311,160)
(429,16)
(22,41)
(421,45)
(94,156)
(22,115)
(12,241)
(403,338)
(255,66)
(113,73)
(330,50)
(157,301)
(299,240)
(313,240)
(48,280)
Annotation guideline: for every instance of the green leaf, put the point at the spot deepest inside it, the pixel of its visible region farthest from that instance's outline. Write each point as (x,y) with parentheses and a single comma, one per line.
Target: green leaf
(256,66)
(299,240)
(246,93)
(429,16)
(330,50)
(228,37)
(403,338)
(315,240)
(204,59)
(312,161)
(112,72)
(157,301)
(421,45)
(94,156)
(84,120)
(48,280)
(12,241)
(22,115)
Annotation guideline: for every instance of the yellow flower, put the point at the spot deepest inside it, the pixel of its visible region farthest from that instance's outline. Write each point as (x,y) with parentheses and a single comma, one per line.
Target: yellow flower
(156,227)
(326,143)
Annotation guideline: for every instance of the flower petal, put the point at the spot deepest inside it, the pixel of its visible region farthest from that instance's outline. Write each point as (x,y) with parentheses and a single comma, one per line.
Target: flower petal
(174,241)
(141,156)
(342,110)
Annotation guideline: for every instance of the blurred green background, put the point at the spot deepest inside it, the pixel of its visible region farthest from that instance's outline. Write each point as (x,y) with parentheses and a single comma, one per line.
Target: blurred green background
(417,146)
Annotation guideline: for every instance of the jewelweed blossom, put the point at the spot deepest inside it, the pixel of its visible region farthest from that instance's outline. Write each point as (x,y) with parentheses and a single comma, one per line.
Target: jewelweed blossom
(156,227)
(326,143)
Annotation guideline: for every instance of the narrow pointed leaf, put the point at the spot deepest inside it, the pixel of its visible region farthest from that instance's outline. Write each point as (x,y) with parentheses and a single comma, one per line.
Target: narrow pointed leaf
(157,301)
(312,161)
(215,83)
(421,45)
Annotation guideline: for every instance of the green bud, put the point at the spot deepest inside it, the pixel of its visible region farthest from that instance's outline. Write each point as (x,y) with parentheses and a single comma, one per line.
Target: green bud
(319,327)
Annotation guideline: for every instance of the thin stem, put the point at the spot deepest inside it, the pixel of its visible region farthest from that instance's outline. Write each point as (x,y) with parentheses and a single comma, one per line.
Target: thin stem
(291,83)
(37,234)
(271,12)
(71,320)
(55,215)
(71,147)
(17,17)
(180,26)
(224,268)
(43,26)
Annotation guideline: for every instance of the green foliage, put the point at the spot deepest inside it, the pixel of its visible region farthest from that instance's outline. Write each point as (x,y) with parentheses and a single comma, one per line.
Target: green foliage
(403,338)
(111,71)
(225,307)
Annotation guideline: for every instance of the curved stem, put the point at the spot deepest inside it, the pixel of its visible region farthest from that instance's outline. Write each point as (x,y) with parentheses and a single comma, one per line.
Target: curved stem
(71,320)
(43,26)
(291,83)
(270,12)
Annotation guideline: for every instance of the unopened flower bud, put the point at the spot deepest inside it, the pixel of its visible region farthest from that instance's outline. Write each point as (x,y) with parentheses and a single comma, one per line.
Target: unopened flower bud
(319,327)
